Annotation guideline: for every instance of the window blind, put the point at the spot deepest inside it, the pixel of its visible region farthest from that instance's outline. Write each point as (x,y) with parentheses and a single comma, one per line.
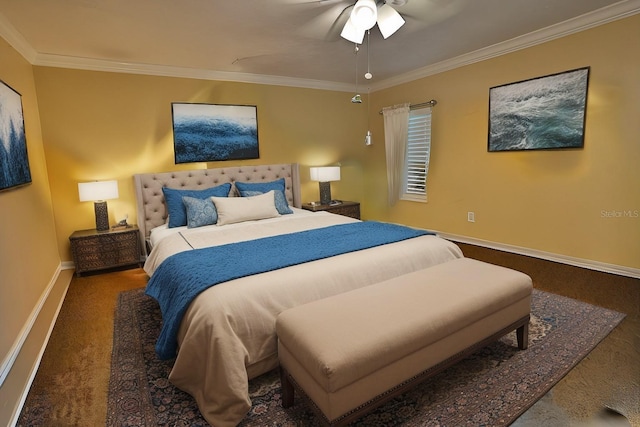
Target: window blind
(417,155)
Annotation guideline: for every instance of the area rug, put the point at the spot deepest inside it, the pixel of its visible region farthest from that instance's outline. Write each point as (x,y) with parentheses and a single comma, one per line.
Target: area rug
(492,387)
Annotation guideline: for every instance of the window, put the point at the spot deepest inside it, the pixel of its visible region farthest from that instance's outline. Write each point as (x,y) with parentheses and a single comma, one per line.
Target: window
(417,156)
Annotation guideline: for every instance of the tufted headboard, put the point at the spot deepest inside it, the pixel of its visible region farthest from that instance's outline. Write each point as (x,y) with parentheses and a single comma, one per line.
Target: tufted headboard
(152,211)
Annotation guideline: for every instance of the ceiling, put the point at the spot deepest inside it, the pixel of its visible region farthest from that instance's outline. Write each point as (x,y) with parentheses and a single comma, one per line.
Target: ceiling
(289,42)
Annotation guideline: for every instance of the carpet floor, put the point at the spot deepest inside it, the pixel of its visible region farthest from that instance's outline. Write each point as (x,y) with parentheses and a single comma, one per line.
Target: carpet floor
(492,387)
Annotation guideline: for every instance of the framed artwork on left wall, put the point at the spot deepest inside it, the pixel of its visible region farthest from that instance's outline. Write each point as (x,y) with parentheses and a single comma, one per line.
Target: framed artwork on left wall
(14,161)
(211,132)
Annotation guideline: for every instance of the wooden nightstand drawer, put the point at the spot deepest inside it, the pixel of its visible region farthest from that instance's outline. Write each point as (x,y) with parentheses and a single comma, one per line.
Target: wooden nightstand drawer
(93,250)
(351,209)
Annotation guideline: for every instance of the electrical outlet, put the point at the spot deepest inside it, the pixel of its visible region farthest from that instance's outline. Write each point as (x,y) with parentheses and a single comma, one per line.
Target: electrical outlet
(471,216)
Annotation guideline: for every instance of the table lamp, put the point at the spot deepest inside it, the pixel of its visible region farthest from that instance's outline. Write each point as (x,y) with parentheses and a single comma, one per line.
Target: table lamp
(98,192)
(324,175)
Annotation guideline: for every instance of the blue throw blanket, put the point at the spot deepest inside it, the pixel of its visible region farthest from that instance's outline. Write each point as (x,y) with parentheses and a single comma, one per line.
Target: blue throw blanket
(181,277)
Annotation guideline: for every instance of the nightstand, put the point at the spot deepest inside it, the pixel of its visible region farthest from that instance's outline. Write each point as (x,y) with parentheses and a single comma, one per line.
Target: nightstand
(98,250)
(345,208)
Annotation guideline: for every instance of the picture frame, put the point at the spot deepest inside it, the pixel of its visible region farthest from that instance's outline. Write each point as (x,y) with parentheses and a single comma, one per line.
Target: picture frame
(542,113)
(14,159)
(214,132)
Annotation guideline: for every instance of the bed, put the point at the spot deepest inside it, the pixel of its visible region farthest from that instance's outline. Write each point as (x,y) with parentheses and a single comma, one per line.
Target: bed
(226,334)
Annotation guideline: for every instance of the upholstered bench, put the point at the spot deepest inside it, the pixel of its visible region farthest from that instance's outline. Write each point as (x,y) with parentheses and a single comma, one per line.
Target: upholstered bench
(351,352)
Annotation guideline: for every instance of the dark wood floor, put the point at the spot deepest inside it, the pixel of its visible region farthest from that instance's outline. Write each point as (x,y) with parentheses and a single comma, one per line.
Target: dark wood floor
(607,382)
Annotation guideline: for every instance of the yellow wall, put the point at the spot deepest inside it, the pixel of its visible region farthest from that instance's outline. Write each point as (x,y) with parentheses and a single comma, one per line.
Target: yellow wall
(29,260)
(110,126)
(550,201)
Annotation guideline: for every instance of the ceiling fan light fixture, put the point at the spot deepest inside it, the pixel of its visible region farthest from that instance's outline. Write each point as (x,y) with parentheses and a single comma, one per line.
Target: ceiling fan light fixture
(364,14)
(389,20)
(352,33)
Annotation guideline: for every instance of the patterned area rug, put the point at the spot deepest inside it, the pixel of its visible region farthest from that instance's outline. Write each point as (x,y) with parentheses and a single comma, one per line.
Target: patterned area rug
(492,387)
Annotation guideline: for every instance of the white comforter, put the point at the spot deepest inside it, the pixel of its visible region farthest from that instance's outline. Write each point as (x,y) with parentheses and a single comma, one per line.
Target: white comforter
(227,335)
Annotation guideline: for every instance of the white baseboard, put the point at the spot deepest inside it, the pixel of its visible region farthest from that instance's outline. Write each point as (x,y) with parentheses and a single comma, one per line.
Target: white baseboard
(564,259)
(8,363)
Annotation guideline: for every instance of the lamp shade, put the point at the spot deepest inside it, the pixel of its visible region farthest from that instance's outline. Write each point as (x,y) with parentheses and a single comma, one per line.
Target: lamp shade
(325,174)
(352,33)
(389,20)
(98,190)
(364,14)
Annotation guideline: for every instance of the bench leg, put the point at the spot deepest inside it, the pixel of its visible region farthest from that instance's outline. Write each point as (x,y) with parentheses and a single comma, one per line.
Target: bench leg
(523,336)
(287,389)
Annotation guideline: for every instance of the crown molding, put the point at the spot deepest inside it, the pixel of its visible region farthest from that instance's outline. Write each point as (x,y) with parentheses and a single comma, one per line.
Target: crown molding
(19,43)
(602,16)
(596,18)
(15,40)
(60,61)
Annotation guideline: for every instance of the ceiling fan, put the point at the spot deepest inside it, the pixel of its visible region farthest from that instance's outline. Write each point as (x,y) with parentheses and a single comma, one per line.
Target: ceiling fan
(367,13)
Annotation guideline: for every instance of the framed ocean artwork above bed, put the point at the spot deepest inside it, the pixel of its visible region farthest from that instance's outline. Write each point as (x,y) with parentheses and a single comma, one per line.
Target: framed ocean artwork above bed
(541,113)
(212,132)
(14,161)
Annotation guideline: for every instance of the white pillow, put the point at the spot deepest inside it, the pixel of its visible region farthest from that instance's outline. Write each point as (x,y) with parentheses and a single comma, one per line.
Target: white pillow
(239,209)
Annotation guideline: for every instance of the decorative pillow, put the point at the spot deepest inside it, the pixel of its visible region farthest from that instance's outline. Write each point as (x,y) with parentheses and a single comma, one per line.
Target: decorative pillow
(280,200)
(253,188)
(175,207)
(200,212)
(239,209)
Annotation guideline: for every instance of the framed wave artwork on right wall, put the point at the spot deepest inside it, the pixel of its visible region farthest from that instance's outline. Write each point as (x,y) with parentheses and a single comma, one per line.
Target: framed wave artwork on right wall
(541,113)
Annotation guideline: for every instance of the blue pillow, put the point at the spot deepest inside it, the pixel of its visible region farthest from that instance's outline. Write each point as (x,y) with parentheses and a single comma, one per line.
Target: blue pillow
(200,212)
(175,207)
(263,187)
(247,189)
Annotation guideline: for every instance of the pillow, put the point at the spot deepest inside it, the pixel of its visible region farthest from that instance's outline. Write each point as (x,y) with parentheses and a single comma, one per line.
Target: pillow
(200,212)
(239,209)
(280,200)
(253,188)
(175,207)
(262,187)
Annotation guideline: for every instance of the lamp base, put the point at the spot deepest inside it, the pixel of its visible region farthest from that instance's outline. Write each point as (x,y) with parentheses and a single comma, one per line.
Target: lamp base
(102,216)
(325,193)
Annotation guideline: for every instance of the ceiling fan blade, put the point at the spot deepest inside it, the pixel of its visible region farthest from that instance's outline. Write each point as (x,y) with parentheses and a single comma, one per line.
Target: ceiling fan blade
(306,2)
(427,12)
(340,22)
(327,25)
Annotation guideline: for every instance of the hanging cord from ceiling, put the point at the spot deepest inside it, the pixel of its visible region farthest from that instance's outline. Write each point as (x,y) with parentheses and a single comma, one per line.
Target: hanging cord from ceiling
(356,99)
(367,138)
(368,74)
